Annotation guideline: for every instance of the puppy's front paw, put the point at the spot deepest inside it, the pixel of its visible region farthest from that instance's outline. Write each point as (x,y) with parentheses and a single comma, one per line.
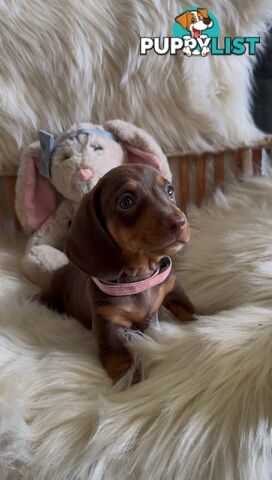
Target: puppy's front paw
(117,364)
(205,51)
(187,51)
(182,314)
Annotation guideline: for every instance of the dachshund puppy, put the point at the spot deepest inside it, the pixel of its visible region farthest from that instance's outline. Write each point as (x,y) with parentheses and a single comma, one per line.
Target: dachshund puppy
(120,270)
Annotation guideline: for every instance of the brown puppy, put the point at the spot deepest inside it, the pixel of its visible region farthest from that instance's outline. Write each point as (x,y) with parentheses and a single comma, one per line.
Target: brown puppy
(118,241)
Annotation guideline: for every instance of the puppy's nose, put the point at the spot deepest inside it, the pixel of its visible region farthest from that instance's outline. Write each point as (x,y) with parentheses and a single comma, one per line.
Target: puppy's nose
(176,223)
(84,174)
(207,21)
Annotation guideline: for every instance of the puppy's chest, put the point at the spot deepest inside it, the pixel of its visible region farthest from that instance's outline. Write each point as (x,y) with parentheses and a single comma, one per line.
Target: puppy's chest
(137,311)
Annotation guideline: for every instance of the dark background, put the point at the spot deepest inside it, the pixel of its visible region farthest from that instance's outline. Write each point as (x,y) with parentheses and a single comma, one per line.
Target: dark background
(262,104)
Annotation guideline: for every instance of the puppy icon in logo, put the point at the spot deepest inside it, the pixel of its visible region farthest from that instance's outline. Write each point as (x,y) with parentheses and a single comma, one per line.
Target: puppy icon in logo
(196,22)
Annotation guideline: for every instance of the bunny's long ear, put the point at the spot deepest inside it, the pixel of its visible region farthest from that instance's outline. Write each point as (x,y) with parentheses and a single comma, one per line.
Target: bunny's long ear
(36,197)
(88,244)
(139,145)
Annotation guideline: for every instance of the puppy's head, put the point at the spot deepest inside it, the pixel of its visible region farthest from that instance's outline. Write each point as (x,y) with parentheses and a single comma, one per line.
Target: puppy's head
(195,21)
(129,217)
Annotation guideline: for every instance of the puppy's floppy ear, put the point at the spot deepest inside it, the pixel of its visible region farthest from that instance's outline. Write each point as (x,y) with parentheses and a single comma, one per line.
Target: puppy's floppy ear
(184,20)
(203,12)
(88,244)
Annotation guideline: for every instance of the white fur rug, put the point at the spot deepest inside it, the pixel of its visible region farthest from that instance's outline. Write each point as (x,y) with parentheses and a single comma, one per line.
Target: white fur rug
(81,62)
(204,410)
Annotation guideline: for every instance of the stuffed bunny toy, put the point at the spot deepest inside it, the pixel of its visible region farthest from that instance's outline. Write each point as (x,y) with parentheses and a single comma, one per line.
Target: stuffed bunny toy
(54,174)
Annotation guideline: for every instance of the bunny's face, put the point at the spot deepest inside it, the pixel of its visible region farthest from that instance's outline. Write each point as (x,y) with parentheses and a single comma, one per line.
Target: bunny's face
(80,162)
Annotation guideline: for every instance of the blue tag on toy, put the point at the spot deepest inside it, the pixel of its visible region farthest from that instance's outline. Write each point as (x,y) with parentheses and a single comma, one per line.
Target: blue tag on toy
(47,145)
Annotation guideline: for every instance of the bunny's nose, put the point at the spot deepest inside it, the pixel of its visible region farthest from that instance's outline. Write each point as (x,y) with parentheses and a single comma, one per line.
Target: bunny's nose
(84,174)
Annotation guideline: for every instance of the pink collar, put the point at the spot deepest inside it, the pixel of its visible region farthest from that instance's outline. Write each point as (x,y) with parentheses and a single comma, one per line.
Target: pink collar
(123,289)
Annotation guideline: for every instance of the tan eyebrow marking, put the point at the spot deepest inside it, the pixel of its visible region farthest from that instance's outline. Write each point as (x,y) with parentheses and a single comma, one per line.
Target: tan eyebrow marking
(132,184)
(160,180)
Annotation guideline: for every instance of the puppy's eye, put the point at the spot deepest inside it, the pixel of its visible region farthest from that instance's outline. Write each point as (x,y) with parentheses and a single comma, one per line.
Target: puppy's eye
(126,201)
(193,20)
(97,147)
(170,191)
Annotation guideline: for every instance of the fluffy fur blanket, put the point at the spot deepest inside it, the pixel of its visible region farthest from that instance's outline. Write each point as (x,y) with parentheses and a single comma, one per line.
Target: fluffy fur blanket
(81,62)
(204,410)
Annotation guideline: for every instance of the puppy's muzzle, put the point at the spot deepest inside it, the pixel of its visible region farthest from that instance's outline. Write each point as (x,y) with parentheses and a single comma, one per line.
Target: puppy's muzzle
(175,224)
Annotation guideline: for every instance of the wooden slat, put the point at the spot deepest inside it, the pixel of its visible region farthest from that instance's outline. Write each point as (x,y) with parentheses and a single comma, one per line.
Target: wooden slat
(219,170)
(239,162)
(200,178)
(184,181)
(10,182)
(8,173)
(257,161)
(180,153)
(247,162)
